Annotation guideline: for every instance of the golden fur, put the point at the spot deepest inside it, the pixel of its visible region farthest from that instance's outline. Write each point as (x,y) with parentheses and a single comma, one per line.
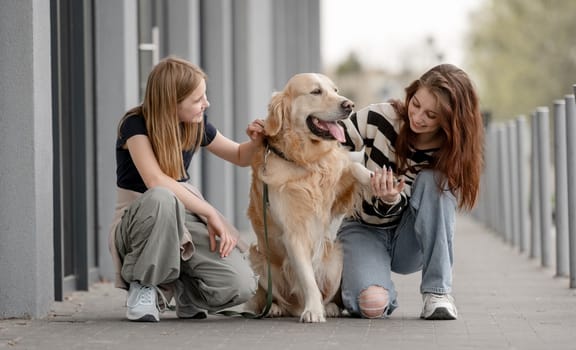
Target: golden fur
(311,182)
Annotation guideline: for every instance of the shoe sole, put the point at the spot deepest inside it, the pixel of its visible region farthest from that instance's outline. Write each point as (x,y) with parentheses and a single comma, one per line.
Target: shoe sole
(198,316)
(144,318)
(441,313)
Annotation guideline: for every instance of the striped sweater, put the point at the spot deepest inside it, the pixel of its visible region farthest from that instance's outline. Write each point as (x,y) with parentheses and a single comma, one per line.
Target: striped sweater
(374,130)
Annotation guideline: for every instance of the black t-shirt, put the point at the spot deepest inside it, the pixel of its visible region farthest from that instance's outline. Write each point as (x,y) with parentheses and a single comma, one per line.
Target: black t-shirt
(127,175)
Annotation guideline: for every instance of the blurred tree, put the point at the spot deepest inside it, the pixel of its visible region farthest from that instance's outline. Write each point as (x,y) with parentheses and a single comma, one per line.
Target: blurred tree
(420,57)
(351,65)
(522,54)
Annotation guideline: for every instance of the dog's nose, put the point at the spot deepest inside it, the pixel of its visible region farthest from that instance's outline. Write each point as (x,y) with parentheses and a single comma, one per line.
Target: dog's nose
(347,105)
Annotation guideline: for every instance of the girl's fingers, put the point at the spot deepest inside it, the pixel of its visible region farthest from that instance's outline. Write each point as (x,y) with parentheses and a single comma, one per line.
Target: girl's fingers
(384,183)
(390,178)
(212,238)
(400,185)
(227,243)
(224,243)
(374,181)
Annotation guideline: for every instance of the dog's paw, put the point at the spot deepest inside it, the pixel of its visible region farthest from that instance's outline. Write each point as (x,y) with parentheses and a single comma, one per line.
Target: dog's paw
(309,316)
(361,173)
(332,310)
(275,311)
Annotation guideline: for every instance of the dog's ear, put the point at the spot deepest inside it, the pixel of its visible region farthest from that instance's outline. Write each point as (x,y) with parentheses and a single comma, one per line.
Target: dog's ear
(277,108)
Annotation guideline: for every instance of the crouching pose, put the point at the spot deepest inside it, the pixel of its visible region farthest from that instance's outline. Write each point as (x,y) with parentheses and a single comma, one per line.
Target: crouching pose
(166,239)
(426,154)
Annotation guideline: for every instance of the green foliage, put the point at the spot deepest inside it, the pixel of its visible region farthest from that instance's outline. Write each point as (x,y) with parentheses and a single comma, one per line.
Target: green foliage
(522,54)
(351,65)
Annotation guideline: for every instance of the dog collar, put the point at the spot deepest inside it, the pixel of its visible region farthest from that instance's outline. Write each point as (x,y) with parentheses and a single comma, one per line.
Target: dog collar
(276,151)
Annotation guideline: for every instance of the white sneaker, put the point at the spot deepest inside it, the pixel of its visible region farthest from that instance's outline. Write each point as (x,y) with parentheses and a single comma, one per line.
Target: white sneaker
(438,307)
(142,303)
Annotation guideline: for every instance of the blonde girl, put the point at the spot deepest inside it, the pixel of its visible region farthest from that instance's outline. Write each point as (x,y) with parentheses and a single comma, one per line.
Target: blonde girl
(166,239)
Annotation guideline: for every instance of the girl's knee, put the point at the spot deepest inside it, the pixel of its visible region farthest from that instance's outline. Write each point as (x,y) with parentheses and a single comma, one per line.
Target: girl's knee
(156,202)
(245,281)
(428,189)
(373,302)
(159,195)
(426,178)
(246,288)
(238,287)
(236,292)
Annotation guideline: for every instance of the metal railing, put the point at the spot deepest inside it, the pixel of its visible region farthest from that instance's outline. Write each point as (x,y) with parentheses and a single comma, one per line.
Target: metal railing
(528,190)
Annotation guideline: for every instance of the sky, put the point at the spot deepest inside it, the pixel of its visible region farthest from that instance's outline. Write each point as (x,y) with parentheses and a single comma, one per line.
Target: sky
(386,33)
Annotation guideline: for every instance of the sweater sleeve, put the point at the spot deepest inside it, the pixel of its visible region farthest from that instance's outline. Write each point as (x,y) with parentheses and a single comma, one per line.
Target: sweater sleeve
(355,130)
(390,210)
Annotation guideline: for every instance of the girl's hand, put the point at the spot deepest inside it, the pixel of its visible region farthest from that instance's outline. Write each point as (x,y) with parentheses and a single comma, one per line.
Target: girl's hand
(227,240)
(255,131)
(385,187)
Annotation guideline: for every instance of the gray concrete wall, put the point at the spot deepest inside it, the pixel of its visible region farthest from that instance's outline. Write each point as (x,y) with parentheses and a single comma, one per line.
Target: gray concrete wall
(253,83)
(116,42)
(26,216)
(183,32)
(217,60)
(296,27)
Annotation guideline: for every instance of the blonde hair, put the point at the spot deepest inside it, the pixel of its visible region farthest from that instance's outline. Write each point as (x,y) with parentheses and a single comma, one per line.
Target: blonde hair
(170,81)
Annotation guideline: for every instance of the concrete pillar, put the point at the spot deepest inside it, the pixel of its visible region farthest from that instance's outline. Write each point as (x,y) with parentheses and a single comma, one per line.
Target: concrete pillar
(26,215)
(296,38)
(183,40)
(523,166)
(116,74)
(253,83)
(217,61)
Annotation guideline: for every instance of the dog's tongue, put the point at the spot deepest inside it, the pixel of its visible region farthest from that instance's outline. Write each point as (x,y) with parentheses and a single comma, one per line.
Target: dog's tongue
(332,127)
(336,131)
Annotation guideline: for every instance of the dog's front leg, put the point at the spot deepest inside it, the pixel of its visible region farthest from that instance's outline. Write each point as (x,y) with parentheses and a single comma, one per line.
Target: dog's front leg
(299,250)
(361,173)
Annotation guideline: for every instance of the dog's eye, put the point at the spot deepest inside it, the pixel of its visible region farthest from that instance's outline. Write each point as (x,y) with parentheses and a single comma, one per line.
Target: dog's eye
(316,92)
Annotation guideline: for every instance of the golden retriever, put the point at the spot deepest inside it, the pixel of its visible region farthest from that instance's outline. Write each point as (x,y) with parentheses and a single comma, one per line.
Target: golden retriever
(311,182)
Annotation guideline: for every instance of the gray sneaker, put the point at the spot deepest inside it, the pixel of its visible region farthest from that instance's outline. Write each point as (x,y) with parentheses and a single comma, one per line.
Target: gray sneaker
(438,307)
(184,307)
(142,303)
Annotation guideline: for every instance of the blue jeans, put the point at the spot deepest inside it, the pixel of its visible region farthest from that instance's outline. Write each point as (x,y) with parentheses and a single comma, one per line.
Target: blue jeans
(421,241)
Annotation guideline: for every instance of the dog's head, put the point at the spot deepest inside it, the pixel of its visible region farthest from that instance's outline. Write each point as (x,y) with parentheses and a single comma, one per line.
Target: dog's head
(310,102)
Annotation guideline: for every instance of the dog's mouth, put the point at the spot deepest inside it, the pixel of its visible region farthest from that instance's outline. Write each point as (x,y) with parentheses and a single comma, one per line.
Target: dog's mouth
(326,130)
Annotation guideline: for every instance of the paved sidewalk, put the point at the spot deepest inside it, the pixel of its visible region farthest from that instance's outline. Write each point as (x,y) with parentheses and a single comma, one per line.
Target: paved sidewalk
(505,301)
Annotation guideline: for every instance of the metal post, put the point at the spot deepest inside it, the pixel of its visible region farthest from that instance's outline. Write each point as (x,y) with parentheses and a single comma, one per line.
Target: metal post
(479,212)
(522,185)
(494,183)
(571,168)
(504,165)
(543,130)
(561,184)
(534,193)
(513,180)
(491,176)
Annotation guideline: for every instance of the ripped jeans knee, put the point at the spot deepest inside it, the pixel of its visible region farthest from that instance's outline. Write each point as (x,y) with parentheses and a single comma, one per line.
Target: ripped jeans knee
(373,302)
